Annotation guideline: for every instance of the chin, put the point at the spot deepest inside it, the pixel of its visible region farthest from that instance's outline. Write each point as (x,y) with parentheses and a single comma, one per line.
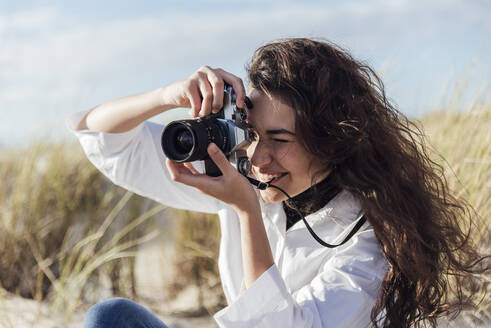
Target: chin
(272,196)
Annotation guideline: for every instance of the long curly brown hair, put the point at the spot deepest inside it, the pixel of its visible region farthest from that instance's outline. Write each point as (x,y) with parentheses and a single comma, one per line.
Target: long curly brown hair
(344,119)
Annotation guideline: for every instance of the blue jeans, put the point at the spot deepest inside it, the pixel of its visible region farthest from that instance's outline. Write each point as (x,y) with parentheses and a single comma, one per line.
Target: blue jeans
(121,313)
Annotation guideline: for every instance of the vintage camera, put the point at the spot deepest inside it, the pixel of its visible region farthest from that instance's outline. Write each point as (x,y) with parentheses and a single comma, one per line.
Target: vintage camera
(187,140)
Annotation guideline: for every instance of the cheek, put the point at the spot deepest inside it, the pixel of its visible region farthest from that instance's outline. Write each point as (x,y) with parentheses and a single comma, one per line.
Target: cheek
(297,159)
(301,165)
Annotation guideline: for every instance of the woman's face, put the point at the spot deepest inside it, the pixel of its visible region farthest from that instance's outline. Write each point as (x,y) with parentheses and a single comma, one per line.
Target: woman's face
(276,153)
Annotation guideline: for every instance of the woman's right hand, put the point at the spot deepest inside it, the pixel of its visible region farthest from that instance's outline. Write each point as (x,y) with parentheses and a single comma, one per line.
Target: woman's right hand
(202,91)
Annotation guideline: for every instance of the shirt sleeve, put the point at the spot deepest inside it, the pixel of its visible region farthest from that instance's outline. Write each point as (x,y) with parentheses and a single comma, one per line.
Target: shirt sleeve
(342,294)
(135,161)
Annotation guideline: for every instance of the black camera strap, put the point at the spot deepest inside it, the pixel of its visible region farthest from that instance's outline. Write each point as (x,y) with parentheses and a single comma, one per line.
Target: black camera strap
(263,185)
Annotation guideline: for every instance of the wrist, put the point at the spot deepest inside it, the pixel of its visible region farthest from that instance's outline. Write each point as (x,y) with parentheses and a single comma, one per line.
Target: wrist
(165,99)
(248,212)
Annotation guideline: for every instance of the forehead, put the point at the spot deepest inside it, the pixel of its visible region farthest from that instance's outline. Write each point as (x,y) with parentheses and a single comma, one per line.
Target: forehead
(269,113)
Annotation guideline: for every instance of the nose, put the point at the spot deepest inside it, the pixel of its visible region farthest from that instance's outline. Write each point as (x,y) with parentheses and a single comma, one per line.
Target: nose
(259,154)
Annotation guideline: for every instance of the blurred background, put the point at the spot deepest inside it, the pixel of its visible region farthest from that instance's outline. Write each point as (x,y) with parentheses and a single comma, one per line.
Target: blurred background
(58,57)
(70,238)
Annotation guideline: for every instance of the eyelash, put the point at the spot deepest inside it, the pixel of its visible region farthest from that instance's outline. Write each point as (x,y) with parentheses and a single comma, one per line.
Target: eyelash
(256,137)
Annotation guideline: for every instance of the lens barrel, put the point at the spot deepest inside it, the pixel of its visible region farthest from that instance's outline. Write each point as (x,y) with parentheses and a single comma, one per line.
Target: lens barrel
(187,140)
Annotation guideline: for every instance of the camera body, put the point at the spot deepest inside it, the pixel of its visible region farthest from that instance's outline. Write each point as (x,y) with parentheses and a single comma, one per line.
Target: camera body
(188,140)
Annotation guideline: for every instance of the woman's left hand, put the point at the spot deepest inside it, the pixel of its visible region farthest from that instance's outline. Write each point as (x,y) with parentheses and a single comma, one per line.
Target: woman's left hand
(235,190)
(231,187)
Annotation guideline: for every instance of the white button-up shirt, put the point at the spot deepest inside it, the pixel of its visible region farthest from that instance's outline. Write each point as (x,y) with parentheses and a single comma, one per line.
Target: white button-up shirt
(308,285)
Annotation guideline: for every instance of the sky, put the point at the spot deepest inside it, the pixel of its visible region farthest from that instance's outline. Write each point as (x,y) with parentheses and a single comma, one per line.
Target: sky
(60,57)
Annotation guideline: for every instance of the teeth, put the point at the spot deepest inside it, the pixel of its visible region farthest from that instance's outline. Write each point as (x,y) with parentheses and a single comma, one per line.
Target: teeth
(268,177)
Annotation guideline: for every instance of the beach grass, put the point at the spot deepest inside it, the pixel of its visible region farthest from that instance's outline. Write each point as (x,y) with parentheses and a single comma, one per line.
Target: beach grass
(63,226)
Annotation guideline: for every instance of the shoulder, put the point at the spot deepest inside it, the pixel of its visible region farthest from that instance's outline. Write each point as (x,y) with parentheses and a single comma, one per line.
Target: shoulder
(345,206)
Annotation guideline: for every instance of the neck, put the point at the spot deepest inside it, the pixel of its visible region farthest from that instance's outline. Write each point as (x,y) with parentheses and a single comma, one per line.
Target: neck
(311,200)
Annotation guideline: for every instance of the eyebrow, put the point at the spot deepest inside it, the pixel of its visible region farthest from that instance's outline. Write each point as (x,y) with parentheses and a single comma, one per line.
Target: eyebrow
(280,131)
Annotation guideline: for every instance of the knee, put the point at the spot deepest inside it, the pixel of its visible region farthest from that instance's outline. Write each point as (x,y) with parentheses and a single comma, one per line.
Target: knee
(109,313)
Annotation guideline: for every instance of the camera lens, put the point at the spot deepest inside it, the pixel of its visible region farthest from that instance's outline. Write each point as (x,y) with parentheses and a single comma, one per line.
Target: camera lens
(184,141)
(187,140)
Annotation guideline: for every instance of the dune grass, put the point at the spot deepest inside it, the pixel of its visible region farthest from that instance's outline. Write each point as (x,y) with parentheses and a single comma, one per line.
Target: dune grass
(63,226)
(461,142)
(197,240)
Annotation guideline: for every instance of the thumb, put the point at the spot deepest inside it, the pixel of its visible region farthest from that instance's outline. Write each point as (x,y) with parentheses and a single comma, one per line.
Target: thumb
(219,159)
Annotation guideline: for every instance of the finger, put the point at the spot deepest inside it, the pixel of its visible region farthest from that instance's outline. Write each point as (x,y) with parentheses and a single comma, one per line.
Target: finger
(204,183)
(220,160)
(217,85)
(236,83)
(207,94)
(194,98)
(191,168)
(177,170)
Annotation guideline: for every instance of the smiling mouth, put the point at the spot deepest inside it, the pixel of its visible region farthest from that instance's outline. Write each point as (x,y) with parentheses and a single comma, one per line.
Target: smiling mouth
(276,179)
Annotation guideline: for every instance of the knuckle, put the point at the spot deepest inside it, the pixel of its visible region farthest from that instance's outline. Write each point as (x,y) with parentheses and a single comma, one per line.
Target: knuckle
(193,76)
(187,83)
(206,86)
(204,68)
(207,96)
(218,83)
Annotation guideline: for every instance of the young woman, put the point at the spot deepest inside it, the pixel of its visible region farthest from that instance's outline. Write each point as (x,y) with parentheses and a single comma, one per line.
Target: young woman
(327,136)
